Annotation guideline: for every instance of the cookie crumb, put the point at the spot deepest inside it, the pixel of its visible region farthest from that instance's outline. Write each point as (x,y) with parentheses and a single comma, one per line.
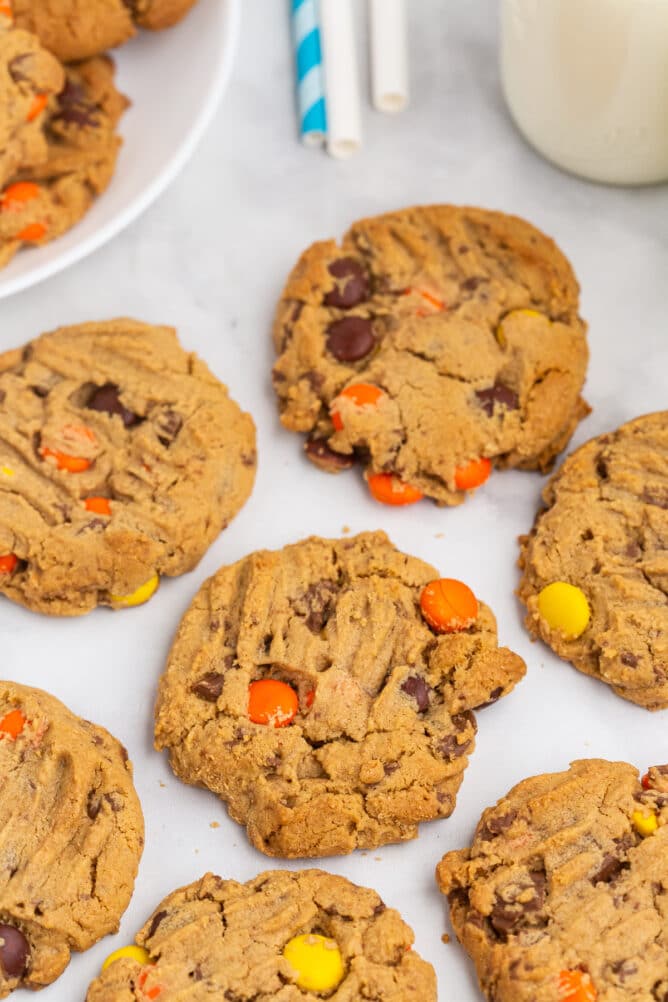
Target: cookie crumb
(214,824)
(163,785)
(445,938)
(439,535)
(345,529)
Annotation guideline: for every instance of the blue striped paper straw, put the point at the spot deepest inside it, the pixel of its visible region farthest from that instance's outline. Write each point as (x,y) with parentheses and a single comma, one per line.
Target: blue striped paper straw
(310,84)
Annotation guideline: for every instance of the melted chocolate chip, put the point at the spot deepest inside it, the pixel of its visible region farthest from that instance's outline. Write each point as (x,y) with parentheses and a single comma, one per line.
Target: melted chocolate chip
(325,458)
(40,391)
(629,659)
(17,68)
(169,425)
(602,468)
(449,747)
(320,599)
(610,869)
(416,687)
(75,108)
(13,951)
(656,497)
(493,696)
(624,969)
(507,917)
(157,919)
(472,283)
(350,339)
(209,686)
(497,396)
(463,720)
(352,287)
(390,767)
(497,825)
(107,400)
(93,805)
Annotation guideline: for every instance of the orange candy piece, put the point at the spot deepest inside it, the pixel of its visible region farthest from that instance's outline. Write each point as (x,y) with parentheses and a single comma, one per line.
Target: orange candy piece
(12,724)
(98,505)
(73,464)
(5,8)
(361,394)
(388,489)
(149,993)
(32,233)
(272,702)
(575,986)
(472,474)
(448,605)
(19,194)
(37,107)
(8,562)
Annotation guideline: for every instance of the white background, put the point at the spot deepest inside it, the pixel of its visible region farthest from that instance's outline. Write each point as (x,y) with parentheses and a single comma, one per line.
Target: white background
(210,258)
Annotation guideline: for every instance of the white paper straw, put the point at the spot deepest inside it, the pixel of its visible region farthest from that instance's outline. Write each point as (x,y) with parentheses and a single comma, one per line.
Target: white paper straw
(389,54)
(344,123)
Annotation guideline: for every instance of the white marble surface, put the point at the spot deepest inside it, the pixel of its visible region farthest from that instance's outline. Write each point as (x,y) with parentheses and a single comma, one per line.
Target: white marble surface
(210,258)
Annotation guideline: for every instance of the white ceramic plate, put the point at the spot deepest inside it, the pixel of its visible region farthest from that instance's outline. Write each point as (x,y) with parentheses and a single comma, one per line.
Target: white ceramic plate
(174,79)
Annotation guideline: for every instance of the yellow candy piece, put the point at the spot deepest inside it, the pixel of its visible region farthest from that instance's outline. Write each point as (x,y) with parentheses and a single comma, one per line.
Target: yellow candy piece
(137,953)
(143,593)
(316,961)
(644,824)
(7,471)
(500,337)
(564,608)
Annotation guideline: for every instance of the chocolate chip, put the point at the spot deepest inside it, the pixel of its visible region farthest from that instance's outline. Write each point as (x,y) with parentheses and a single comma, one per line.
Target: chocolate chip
(350,339)
(493,696)
(500,395)
(320,599)
(586,535)
(75,108)
(13,951)
(624,969)
(248,459)
(315,380)
(497,825)
(602,468)
(449,747)
(169,424)
(352,287)
(390,767)
(472,283)
(629,659)
(40,391)
(463,720)
(107,400)
(610,869)
(325,458)
(508,917)
(209,686)
(157,919)
(416,687)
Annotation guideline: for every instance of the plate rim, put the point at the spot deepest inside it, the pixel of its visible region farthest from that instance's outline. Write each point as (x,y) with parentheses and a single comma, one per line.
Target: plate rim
(138,205)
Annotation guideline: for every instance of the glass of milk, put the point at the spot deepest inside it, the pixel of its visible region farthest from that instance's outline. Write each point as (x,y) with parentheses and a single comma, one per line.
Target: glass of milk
(587,84)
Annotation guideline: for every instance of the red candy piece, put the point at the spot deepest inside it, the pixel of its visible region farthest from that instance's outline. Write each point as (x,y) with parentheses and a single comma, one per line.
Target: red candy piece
(8,562)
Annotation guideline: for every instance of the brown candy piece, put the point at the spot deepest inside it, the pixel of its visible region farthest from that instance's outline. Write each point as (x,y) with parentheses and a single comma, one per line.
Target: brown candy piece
(500,395)
(14,950)
(107,399)
(325,458)
(352,287)
(350,339)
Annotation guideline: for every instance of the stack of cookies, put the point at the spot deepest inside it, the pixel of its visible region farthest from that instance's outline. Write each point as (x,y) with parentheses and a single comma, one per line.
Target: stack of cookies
(328,692)
(60,109)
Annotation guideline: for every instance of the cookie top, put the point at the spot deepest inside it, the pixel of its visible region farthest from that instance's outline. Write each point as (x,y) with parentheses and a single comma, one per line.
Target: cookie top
(29,78)
(121,459)
(78,29)
(432,343)
(79,130)
(71,835)
(595,570)
(563,893)
(221,939)
(307,690)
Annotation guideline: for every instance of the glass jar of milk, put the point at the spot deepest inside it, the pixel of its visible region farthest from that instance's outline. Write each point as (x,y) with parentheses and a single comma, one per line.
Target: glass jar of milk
(587,84)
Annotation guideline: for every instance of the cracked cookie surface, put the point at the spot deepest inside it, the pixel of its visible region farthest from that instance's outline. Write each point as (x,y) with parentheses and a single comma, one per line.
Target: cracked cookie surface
(121,458)
(219,938)
(71,836)
(29,79)
(605,530)
(78,29)
(382,723)
(467,323)
(566,885)
(78,130)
